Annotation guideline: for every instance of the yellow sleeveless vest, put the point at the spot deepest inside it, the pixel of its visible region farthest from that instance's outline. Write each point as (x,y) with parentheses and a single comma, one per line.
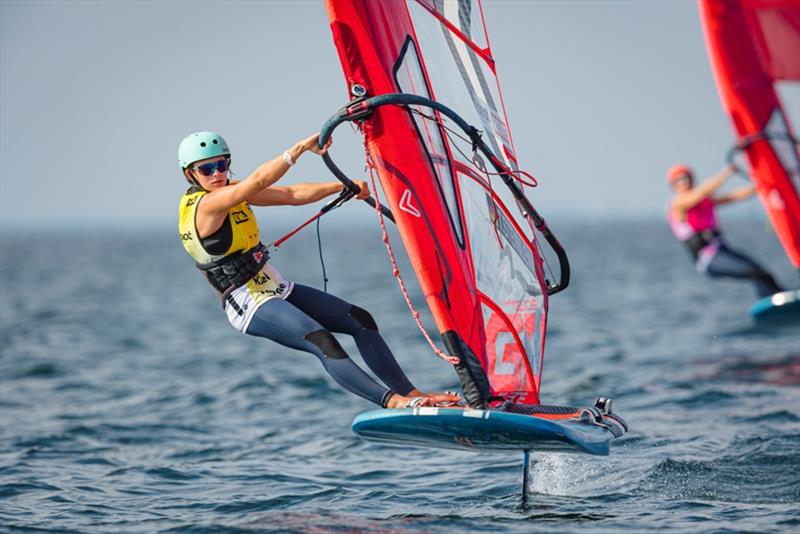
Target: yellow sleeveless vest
(244,228)
(239,301)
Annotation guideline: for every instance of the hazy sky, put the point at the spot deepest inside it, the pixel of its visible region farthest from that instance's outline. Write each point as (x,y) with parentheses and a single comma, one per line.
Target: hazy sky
(95,97)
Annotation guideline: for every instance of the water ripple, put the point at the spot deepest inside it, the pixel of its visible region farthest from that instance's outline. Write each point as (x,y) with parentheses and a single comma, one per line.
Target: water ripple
(157,416)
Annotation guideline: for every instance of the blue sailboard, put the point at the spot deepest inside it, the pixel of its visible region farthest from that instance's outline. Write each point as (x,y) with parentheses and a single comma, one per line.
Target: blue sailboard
(489,430)
(783,306)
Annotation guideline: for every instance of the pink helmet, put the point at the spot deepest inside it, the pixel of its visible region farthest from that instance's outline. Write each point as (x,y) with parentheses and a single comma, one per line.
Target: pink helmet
(678,170)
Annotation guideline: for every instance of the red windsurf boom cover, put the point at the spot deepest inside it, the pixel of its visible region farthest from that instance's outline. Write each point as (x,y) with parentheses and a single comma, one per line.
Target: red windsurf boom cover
(474,254)
(753,44)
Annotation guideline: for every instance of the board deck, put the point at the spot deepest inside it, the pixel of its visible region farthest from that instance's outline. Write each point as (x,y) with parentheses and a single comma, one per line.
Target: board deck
(481,430)
(780,306)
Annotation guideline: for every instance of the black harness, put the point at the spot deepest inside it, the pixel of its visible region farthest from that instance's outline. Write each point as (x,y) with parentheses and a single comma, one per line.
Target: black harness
(234,271)
(699,240)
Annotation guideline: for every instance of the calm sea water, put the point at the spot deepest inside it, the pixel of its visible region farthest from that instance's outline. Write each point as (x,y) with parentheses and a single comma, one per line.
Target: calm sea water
(127,402)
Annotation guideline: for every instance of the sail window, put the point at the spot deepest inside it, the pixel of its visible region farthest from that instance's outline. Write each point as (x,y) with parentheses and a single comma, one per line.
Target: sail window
(410,79)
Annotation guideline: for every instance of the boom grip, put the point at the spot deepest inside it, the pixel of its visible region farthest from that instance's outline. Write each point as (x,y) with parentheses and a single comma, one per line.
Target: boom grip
(350,185)
(328,128)
(563,261)
(361,108)
(748,140)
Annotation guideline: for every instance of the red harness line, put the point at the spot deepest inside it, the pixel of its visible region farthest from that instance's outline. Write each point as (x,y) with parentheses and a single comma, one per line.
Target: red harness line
(343,197)
(280,241)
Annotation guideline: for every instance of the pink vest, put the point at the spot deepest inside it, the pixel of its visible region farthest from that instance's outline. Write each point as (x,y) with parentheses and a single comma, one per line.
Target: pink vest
(699,232)
(699,218)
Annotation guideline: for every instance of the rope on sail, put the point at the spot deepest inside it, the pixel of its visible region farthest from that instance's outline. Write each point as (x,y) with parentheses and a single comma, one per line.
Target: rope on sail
(396,270)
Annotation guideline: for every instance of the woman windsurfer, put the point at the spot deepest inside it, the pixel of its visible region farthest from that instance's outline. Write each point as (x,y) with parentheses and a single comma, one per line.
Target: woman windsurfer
(218,229)
(693,221)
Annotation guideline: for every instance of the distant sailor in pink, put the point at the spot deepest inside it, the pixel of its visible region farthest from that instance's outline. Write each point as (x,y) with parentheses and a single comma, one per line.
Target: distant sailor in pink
(693,221)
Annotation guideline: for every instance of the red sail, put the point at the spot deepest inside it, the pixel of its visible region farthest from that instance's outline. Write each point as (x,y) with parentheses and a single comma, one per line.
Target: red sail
(753,44)
(474,253)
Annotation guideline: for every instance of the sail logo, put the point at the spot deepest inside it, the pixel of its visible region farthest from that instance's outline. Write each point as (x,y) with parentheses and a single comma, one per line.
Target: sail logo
(513,346)
(775,200)
(504,343)
(406,205)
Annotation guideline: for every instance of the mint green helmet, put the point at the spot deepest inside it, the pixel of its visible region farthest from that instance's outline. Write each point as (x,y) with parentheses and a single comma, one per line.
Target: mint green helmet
(201,145)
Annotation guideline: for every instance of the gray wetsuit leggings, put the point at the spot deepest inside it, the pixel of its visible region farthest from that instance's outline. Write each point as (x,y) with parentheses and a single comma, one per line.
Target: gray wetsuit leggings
(729,263)
(305,321)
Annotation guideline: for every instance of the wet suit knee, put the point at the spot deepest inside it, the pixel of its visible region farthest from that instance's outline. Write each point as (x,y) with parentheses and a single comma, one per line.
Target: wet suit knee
(342,369)
(363,318)
(375,352)
(327,344)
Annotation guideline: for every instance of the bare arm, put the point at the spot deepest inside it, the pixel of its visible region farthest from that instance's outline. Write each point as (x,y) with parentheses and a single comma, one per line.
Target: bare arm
(735,195)
(294,195)
(221,200)
(213,207)
(683,202)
